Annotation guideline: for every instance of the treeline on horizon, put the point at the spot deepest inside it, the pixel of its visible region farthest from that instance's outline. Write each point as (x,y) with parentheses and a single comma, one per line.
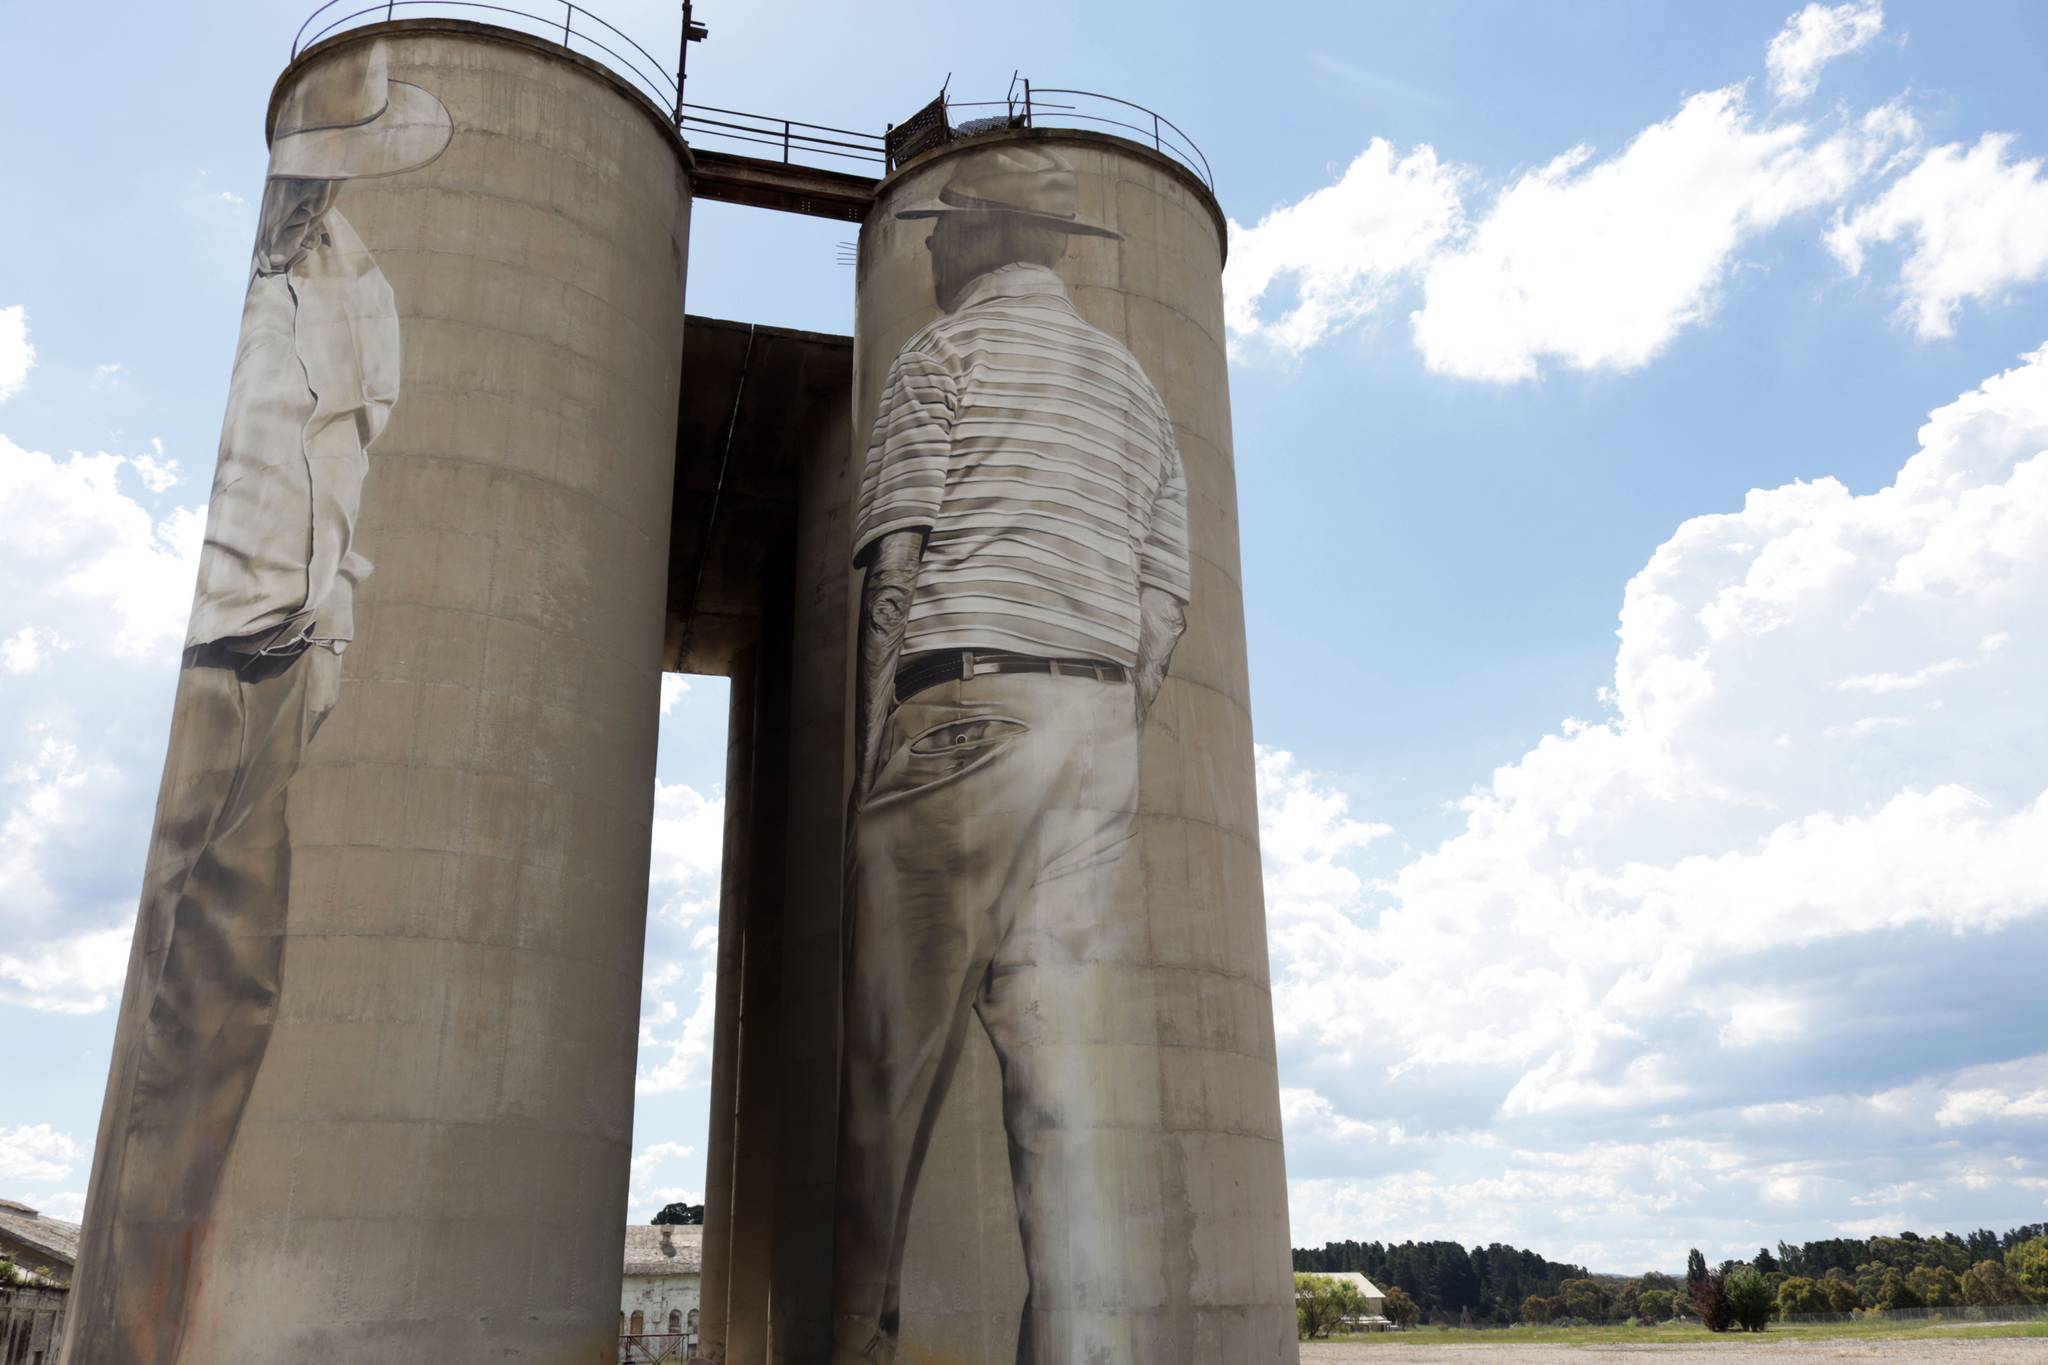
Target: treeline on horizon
(1446,1281)
(1492,1284)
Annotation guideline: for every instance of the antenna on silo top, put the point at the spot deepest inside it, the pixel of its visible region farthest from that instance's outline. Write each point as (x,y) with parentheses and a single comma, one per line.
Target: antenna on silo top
(693,32)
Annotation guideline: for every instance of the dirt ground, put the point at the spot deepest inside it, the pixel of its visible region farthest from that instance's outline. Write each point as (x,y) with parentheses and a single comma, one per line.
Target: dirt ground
(1994,1351)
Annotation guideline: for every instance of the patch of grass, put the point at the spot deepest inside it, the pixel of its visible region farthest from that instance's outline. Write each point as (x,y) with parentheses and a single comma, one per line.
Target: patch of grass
(1691,1334)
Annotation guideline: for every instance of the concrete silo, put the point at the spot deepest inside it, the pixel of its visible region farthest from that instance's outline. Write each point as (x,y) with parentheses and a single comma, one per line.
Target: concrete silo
(993,1064)
(1086,1131)
(396,1127)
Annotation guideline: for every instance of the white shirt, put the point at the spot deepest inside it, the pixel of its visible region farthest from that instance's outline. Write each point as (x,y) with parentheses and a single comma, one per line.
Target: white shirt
(316,374)
(1040,461)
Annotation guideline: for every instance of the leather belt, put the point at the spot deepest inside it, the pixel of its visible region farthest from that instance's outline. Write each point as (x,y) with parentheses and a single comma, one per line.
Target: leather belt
(923,671)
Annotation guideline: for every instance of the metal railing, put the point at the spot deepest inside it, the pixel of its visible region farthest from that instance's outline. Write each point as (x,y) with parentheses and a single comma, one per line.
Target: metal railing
(656,1348)
(581,31)
(795,141)
(793,137)
(569,24)
(1047,106)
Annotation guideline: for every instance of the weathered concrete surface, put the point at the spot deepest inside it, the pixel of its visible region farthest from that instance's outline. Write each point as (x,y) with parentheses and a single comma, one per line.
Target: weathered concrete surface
(734,870)
(1216,1278)
(758,591)
(432,1166)
(807,1109)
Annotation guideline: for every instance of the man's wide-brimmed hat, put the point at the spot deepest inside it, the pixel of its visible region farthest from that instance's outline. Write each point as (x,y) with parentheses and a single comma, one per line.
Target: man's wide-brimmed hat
(1029,182)
(346,119)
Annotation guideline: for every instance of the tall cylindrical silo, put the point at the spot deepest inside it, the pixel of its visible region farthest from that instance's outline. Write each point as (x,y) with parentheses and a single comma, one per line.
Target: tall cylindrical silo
(372,1088)
(1060,1134)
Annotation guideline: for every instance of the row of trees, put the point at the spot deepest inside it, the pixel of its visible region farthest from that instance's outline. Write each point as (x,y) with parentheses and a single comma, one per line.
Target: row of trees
(1651,1298)
(2014,1270)
(1906,1252)
(1748,1294)
(1446,1282)
(1498,1285)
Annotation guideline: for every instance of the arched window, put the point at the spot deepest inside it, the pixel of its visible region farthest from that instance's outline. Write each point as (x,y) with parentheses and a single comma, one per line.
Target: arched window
(639,1322)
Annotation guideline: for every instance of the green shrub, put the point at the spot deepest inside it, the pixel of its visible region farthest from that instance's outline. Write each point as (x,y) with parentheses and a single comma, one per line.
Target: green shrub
(2027,1263)
(1321,1304)
(1750,1300)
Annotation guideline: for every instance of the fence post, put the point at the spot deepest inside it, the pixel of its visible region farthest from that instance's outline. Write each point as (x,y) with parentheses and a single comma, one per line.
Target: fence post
(568,13)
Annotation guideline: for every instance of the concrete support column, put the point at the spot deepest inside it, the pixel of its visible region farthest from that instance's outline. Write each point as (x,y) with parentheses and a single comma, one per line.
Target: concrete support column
(732,917)
(756,1168)
(808,1108)
(427,976)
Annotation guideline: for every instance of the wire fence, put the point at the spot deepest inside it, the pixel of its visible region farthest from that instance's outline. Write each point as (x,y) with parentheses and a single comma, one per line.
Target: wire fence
(2012,1312)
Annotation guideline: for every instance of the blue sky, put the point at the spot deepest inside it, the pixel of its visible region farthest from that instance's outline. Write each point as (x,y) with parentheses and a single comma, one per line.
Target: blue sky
(1645,530)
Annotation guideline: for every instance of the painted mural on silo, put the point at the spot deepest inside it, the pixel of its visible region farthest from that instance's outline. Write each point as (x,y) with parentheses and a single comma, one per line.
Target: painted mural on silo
(1022,525)
(1028,570)
(315,379)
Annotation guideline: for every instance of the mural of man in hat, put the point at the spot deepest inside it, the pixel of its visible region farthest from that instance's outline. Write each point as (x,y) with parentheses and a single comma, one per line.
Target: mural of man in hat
(1023,530)
(315,378)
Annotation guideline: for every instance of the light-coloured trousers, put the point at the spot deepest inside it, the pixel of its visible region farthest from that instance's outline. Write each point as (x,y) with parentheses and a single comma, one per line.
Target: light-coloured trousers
(196,1015)
(990,880)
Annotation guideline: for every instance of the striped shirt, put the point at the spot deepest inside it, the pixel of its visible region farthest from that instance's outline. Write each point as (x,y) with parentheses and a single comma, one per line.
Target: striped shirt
(1040,462)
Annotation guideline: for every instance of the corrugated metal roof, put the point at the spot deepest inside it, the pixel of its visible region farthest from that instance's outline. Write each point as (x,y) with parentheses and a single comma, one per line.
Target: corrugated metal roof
(51,1242)
(1358,1282)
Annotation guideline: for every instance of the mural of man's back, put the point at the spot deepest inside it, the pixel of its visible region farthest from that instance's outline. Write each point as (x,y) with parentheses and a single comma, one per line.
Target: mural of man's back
(1022,527)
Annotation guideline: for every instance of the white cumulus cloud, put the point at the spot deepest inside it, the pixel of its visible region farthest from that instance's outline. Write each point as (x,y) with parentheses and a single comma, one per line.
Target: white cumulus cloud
(1731,806)
(1972,222)
(646,1196)
(75,542)
(81,974)
(655,1154)
(1814,37)
(1599,264)
(28,649)
(689,840)
(1310,1115)
(1588,262)
(16,354)
(675,1048)
(37,1152)
(1343,249)
(107,585)
(674,686)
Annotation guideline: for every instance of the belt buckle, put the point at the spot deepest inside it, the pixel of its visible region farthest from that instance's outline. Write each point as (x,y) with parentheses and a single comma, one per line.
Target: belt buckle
(966,664)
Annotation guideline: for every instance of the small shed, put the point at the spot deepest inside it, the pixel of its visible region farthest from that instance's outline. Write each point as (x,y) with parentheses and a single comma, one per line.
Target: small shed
(1374,1318)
